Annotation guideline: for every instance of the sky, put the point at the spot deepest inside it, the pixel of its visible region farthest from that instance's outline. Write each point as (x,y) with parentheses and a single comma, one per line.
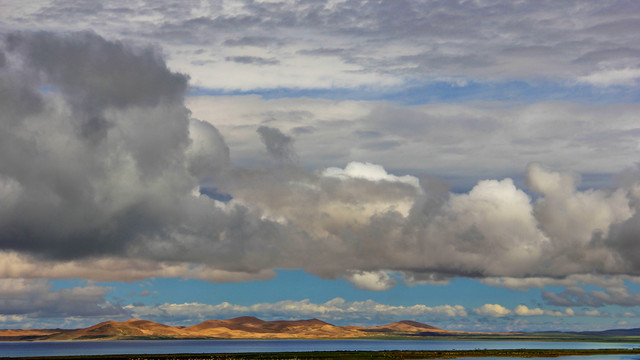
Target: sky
(472,165)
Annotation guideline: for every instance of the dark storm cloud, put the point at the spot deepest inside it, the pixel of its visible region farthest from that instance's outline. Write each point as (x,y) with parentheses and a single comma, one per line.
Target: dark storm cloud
(66,190)
(279,145)
(624,238)
(94,73)
(133,193)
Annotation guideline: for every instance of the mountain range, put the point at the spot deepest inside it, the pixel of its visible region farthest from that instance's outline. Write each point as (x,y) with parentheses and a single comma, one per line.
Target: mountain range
(245,327)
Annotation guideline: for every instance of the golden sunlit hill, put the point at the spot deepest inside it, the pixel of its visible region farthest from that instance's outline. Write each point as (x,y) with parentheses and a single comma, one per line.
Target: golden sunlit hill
(251,327)
(405,326)
(113,330)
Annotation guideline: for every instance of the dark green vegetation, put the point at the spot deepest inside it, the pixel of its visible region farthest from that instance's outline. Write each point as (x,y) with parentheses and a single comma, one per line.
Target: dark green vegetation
(360,355)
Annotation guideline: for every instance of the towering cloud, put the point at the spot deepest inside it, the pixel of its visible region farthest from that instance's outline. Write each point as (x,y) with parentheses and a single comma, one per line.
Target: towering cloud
(98,151)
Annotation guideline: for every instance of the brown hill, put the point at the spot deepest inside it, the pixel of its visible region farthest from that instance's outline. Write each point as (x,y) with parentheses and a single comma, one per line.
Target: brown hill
(250,327)
(28,334)
(154,328)
(244,323)
(119,330)
(405,326)
(418,325)
(107,329)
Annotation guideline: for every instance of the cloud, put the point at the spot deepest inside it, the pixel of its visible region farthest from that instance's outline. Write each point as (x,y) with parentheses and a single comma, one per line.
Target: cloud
(124,191)
(492,310)
(256,60)
(35,299)
(626,77)
(497,310)
(153,190)
(208,155)
(260,41)
(560,135)
(374,281)
(613,294)
(94,167)
(475,41)
(370,172)
(336,310)
(522,310)
(279,145)
(16,266)
(594,312)
(575,280)
(93,74)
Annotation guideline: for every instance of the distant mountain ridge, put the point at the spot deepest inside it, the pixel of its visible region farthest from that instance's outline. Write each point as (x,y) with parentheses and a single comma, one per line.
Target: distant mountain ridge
(614,332)
(245,327)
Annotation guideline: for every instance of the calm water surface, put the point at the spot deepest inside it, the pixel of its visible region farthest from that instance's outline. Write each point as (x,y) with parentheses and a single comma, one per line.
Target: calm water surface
(66,348)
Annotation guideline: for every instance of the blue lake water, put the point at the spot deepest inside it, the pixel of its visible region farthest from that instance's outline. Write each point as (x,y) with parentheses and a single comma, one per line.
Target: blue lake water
(67,348)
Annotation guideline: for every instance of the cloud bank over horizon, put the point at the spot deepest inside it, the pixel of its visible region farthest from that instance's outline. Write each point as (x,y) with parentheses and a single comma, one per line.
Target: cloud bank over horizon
(102,165)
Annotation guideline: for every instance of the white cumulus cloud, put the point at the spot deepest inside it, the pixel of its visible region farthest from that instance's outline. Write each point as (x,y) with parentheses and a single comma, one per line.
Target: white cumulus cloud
(371,280)
(368,171)
(336,310)
(492,310)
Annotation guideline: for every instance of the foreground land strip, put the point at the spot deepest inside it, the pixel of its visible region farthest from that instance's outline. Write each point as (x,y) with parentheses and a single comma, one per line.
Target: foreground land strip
(358,355)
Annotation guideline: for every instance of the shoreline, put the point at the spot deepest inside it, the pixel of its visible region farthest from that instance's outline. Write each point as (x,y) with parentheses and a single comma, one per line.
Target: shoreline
(353,355)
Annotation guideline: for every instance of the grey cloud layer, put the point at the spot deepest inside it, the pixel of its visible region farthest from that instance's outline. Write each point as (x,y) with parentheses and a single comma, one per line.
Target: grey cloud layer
(461,141)
(31,299)
(583,41)
(132,196)
(616,293)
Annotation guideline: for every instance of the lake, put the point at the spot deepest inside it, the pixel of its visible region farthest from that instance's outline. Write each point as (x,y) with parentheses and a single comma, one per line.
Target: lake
(67,348)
